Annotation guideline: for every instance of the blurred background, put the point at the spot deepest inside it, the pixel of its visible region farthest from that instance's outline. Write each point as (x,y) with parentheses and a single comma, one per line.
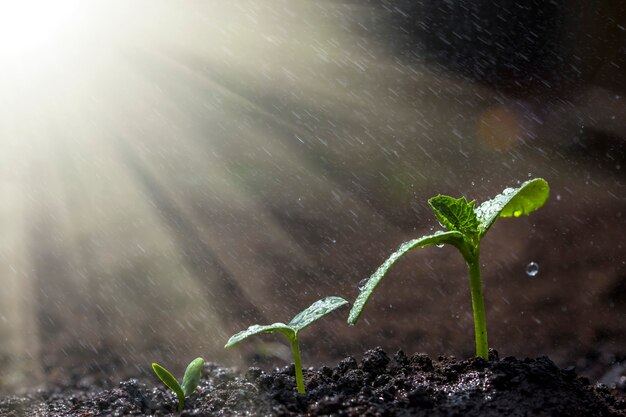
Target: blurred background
(172,172)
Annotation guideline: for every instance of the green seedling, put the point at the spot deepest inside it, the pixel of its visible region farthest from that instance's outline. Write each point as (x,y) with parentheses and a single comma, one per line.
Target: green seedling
(316,311)
(466,225)
(191,379)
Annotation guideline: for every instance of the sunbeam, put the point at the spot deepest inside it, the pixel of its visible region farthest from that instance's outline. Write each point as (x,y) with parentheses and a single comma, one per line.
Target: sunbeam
(32,29)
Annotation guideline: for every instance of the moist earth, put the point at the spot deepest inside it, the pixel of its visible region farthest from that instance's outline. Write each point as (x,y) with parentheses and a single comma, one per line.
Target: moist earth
(378,385)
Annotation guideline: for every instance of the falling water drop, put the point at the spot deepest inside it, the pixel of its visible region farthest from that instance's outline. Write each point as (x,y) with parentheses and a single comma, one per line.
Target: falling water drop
(532,269)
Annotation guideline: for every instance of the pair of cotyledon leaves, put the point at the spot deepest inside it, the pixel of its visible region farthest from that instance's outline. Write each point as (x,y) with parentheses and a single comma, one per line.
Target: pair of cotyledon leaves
(464,223)
(191,379)
(316,311)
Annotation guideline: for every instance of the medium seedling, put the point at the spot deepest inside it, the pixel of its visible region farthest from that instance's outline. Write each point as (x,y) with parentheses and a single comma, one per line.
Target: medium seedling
(191,379)
(316,311)
(466,225)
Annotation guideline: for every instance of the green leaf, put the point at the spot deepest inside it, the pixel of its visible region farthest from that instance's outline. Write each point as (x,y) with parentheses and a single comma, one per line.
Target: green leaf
(193,373)
(255,329)
(316,311)
(513,202)
(455,213)
(168,379)
(439,238)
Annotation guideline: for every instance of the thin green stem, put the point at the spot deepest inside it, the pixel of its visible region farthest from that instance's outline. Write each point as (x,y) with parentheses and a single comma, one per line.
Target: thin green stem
(295,348)
(181,402)
(478,306)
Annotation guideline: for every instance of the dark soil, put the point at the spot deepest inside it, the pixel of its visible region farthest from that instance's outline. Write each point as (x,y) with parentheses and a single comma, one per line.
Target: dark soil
(375,386)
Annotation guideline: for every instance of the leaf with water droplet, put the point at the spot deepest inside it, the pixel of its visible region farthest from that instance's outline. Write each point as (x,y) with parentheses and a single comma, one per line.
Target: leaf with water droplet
(316,311)
(455,213)
(513,202)
(256,329)
(453,237)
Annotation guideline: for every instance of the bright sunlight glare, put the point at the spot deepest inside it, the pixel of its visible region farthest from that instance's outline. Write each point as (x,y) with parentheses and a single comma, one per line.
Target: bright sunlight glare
(28,27)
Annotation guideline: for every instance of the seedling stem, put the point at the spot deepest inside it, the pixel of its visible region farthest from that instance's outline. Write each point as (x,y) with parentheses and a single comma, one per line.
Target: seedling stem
(295,348)
(478,307)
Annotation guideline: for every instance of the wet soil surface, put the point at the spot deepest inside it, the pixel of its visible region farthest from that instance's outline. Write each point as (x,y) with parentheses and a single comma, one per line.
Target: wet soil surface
(377,385)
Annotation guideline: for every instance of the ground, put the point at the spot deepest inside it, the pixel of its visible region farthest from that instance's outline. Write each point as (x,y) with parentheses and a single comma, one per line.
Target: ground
(377,385)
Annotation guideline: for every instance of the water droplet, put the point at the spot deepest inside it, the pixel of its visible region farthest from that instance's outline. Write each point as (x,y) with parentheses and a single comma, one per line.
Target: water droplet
(558,197)
(518,212)
(440,246)
(362,283)
(532,269)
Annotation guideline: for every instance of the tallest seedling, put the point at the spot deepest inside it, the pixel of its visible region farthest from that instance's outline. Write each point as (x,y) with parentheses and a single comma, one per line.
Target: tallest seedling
(466,225)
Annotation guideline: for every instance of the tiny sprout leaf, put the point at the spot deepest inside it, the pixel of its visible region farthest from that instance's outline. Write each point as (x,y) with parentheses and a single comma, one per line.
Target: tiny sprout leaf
(455,213)
(316,311)
(255,329)
(452,237)
(193,373)
(168,379)
(513,202)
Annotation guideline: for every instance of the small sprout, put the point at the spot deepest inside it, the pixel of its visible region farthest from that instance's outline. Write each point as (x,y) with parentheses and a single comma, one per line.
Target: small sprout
(191,379)
(316,311)
(466,225)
